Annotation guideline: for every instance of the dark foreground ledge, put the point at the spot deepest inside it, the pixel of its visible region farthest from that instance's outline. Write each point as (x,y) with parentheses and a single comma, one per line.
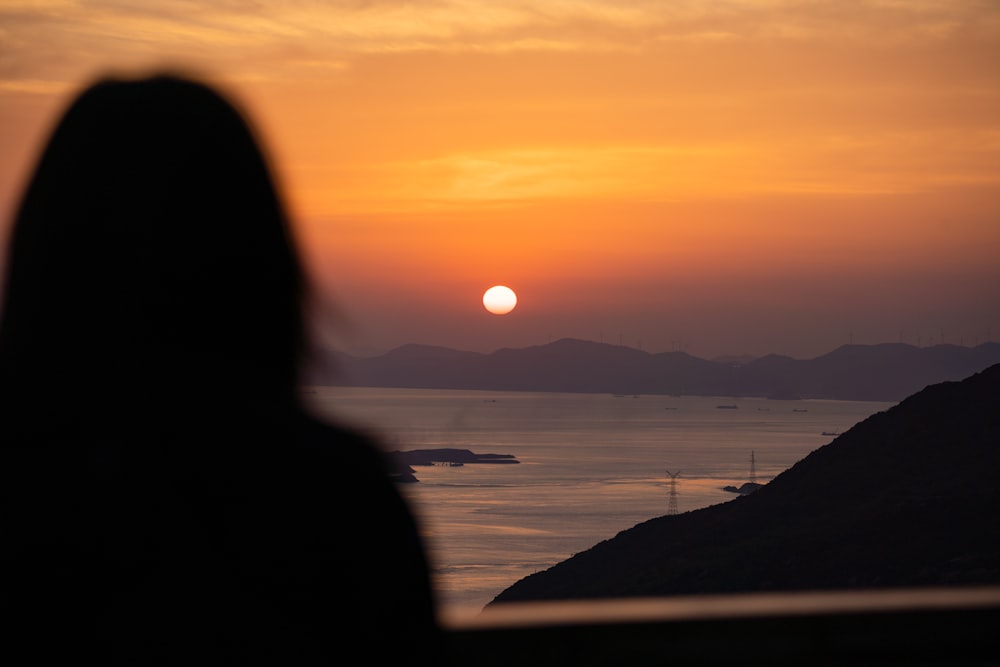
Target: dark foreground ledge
(939,626)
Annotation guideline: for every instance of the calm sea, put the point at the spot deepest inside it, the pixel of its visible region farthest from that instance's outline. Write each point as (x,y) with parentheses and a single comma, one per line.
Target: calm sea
(591,465)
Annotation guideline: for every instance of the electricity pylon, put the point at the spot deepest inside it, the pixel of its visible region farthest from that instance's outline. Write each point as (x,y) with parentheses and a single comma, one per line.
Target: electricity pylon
(672,501)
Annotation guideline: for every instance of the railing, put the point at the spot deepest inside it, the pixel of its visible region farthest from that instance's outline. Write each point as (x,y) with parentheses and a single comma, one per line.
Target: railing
(934,626)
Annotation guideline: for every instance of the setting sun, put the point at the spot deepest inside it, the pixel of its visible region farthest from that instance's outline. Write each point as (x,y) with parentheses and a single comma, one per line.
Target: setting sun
(499,300)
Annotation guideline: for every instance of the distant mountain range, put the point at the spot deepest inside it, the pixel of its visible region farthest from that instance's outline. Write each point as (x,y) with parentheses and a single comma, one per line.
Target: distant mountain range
(886,372)
(908,497)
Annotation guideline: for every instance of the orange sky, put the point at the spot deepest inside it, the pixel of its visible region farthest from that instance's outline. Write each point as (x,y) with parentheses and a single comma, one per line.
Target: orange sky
(744,177)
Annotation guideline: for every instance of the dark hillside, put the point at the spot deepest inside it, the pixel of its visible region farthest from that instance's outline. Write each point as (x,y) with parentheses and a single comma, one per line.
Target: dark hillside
(908,497)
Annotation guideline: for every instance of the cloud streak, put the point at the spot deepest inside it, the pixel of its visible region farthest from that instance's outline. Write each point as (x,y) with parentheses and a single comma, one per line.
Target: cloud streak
(58,38)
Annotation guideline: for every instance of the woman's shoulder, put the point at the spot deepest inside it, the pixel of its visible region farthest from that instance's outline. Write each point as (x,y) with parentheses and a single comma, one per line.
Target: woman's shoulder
(346,447)
(338,440)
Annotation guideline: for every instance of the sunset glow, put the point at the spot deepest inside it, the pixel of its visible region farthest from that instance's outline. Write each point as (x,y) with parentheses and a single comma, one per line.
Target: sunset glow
(721,178)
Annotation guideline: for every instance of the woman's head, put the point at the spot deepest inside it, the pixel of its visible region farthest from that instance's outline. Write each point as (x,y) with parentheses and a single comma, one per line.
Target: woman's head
(151,246)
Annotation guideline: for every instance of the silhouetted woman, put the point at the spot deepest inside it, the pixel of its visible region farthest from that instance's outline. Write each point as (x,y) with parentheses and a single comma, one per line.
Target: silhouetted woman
(164,495)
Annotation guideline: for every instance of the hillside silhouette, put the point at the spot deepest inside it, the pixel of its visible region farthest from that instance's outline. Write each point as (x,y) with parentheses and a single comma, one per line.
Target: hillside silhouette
(886,372)
(908,497)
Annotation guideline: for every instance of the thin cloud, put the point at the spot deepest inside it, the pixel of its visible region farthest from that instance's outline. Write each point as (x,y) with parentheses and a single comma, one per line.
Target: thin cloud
(59,39)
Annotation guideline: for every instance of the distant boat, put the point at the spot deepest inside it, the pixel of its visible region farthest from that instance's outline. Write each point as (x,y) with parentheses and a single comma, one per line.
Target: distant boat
(726,407)
(447,464)
(829,433)
(799,410)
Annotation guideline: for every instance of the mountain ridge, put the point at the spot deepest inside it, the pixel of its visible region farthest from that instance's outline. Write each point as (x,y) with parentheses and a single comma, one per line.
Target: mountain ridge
(881,372)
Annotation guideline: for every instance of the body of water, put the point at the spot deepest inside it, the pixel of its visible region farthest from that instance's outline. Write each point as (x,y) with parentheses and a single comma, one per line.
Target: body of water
(591,465)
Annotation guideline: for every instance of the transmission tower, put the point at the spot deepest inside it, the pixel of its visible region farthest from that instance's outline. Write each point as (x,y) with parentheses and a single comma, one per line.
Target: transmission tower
(753,468)
(672,502)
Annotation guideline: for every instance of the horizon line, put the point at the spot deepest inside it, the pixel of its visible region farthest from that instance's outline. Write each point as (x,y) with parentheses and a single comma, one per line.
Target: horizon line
(728,356)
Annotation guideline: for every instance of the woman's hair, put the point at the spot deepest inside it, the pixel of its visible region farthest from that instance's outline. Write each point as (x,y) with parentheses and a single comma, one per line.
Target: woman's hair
(150,261)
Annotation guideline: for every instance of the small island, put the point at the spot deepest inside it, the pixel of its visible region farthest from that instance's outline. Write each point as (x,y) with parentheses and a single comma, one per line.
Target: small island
(403,460)
(743,489)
